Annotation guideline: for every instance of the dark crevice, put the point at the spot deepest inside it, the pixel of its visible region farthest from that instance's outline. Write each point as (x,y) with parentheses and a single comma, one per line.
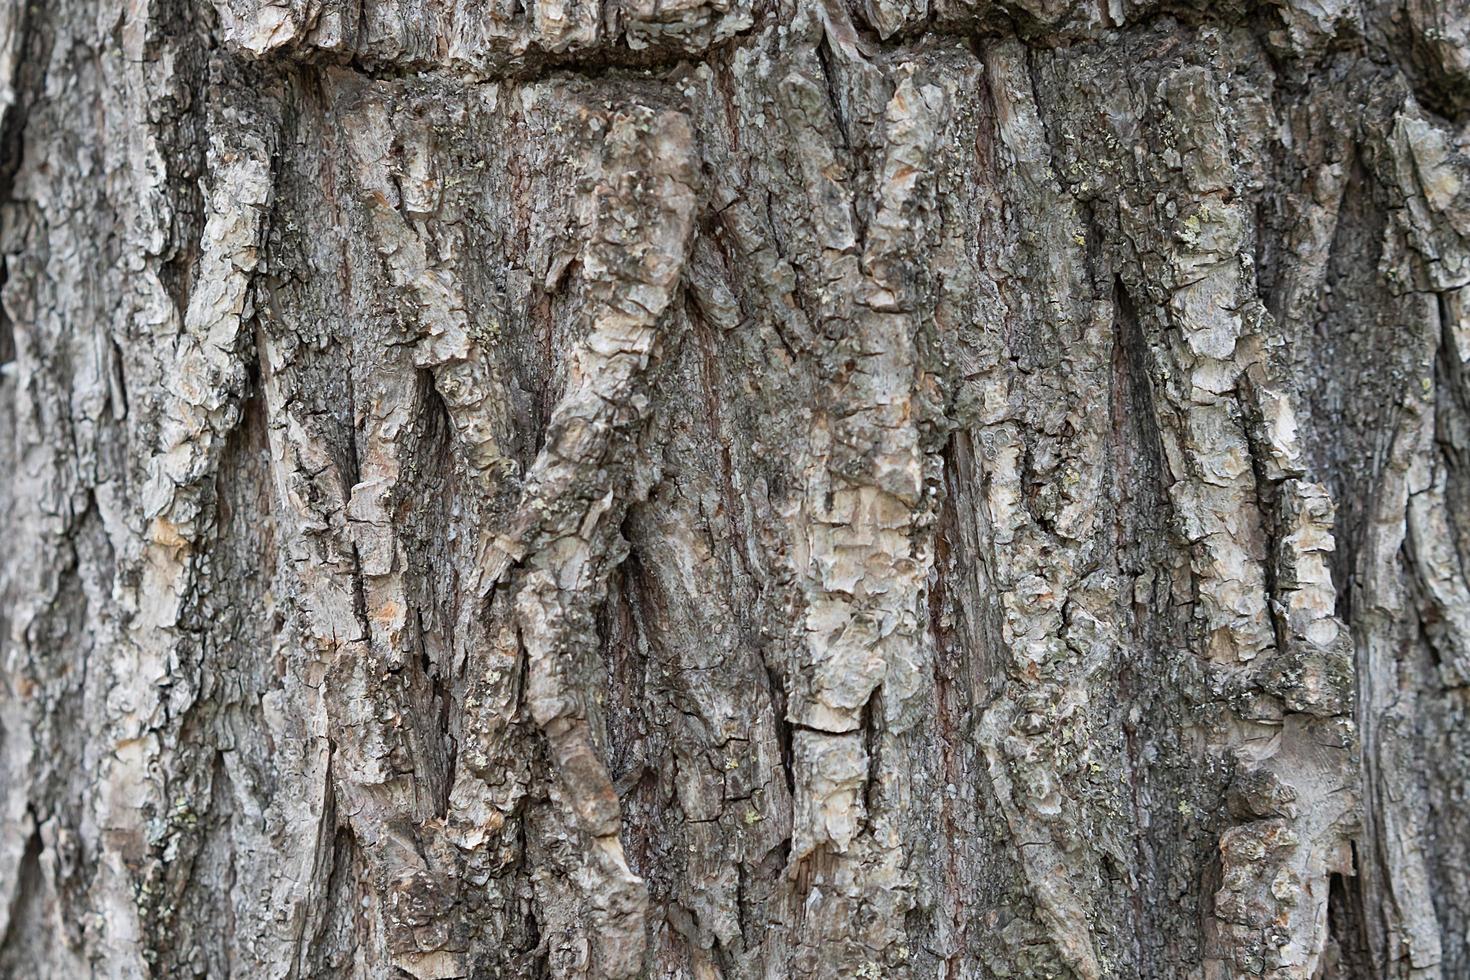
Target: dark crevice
(953,696)
(871,727)
(441,699)
(1452,412)
(7,329)
(1268,506)
(543,323)
(1344,414)
(29,79)
(610,59)
(341,924)
(824,58)
(1133,364)
(783,727)
(623,624)
(1348,951)
(359,596)
(25,913)
(351,461)
(1142,547)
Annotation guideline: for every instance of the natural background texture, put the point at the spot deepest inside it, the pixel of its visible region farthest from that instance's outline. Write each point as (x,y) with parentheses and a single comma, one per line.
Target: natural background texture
(735,489)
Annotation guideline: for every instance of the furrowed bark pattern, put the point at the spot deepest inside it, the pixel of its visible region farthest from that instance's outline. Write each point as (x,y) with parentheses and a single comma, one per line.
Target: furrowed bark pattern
(711,488)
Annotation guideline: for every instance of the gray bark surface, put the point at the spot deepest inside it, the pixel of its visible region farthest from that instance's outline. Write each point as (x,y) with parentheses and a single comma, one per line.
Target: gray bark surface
(735,489)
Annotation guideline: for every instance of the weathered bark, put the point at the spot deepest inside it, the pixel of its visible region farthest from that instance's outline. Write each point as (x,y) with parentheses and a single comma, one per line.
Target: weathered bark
(727,488)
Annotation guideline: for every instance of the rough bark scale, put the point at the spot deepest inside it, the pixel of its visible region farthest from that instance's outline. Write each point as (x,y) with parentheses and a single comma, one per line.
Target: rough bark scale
(735,488)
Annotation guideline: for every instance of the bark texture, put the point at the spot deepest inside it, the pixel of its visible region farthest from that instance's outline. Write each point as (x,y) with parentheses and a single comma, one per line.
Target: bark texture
(735,489)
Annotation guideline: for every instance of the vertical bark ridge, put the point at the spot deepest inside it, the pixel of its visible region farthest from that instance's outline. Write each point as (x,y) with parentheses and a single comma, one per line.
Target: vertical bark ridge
(644,208)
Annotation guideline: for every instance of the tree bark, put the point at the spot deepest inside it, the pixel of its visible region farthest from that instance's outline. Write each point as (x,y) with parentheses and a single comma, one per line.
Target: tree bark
(735,489)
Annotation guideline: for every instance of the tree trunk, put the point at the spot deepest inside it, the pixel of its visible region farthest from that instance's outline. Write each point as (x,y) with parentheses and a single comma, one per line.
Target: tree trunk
(735,489)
